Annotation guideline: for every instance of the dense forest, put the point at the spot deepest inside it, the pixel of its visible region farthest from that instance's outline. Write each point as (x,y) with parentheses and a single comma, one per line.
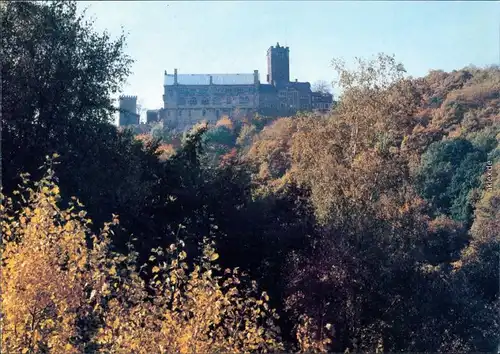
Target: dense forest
(373,228)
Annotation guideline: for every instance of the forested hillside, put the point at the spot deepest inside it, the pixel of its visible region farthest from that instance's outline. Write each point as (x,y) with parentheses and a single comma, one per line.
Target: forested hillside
(373,228)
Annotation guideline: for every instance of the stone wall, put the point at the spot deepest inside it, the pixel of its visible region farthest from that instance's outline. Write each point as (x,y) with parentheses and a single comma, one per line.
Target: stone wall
(187,105)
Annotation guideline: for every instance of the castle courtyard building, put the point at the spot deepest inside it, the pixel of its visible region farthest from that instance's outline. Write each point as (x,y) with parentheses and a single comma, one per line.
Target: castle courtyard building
(191,98)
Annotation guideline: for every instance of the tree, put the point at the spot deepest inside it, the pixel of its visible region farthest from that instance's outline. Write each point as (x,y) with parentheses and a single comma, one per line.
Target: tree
(60,74)
(321,86)
(58,295)
(449,172)
(375,231)
(246,135)
(220,135)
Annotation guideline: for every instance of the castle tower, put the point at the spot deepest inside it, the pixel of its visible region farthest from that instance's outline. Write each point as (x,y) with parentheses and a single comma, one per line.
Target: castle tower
(278,65)
(128,111)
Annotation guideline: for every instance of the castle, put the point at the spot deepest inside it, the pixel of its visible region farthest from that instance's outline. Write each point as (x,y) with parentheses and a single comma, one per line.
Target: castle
(191,98)
(128,111)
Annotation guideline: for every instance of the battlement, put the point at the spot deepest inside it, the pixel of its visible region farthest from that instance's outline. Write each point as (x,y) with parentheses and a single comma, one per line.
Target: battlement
(278,65)
(279,48)
(128,97)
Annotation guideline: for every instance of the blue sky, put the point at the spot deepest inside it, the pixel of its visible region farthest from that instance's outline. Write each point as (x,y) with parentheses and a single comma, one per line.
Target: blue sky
(232,37)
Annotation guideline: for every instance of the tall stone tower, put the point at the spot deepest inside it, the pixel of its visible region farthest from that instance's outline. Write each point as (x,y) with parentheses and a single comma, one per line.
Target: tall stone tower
(278,65)
(128,111)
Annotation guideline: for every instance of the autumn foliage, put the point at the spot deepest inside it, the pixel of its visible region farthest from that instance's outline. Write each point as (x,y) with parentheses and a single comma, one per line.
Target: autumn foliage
(59,295)
(370,228)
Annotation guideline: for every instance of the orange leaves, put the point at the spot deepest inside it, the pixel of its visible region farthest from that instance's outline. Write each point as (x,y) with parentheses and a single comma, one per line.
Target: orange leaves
(166,151)
(225,122)
(231,156)
(145,138)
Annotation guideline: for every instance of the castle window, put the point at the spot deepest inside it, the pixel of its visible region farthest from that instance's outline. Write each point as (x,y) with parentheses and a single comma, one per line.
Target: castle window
(244,100)
(189,113)
(180,112)
(168,113)
(229,100)
(193,101)
(205,101)
(217,114)
(204,113)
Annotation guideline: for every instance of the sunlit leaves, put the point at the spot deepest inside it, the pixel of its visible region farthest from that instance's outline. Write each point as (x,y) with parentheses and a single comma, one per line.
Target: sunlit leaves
(55,291)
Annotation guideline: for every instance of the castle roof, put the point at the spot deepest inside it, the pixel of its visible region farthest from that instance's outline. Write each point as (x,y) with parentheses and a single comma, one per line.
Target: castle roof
(267,88)
(204,79)
(322,97)
(300,86)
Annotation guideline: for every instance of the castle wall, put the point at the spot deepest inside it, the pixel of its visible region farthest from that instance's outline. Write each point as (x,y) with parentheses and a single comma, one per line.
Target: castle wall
(185,105)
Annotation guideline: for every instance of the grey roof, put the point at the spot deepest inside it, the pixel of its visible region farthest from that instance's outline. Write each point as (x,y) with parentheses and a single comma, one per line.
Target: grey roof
(204,79)
(267,88)
(300,86)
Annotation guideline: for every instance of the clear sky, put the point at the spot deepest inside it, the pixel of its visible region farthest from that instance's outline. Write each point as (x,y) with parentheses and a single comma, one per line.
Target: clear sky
(233,36)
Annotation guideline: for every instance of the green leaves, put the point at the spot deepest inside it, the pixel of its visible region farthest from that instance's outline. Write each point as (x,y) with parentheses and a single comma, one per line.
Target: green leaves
(449,171)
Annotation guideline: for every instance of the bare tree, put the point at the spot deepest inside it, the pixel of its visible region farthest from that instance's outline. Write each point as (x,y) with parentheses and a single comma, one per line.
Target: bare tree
(321,86)
(140,108)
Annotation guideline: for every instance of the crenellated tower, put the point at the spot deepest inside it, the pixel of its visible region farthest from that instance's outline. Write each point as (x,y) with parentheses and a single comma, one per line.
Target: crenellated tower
(128,110)
(278,65)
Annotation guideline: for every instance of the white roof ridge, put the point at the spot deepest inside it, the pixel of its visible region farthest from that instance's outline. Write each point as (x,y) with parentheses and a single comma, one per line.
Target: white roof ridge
(216,79)
(226,74)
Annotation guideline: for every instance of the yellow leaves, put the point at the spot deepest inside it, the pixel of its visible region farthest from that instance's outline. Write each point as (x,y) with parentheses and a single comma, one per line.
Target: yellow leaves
(173,278)
(68,347)
(214,257)
(182,255)
(115,324)
(57,271)
(225,122)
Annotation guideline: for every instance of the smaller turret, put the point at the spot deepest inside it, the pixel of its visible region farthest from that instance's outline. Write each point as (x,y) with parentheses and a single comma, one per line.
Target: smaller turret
(128,110)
